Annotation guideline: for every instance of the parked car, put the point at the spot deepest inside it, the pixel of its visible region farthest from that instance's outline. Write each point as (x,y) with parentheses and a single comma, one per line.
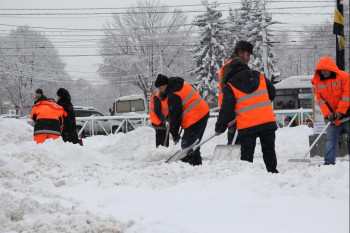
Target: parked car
(100,126)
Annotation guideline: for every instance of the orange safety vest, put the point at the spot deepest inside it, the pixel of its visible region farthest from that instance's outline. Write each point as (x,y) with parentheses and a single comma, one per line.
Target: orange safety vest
(333,91)
(221,74)
(194,106)
(254,108)
(152,113)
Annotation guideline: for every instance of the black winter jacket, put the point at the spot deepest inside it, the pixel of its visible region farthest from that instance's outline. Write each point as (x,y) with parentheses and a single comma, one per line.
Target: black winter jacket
(69,132)
(245,80)
(174,104)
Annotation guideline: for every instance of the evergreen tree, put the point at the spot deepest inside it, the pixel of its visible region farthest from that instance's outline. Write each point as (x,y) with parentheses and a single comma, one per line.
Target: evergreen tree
(210,52)
(233,31)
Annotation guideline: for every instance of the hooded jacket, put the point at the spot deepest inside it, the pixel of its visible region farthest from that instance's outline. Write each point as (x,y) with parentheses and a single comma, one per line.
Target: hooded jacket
(47,116)
(332,93)
(247,81)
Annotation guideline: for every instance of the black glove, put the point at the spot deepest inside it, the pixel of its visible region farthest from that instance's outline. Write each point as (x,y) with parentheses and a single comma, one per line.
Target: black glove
(176,139)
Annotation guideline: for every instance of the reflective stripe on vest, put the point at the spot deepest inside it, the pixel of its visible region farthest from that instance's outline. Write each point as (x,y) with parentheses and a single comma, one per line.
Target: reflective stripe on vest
(251,107)
(194,107)
(322,86)
(321,102)
(254,108)
(47,131)
(345,98)
(336,84)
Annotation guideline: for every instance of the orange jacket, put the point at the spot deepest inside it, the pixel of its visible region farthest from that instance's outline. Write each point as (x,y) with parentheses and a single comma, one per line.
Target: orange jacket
(194,106)
(334,91)
(221,75)
(255,108)
(48,117)
(164,110)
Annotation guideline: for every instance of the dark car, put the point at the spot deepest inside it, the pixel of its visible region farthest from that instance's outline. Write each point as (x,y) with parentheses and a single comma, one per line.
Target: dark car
(101,127)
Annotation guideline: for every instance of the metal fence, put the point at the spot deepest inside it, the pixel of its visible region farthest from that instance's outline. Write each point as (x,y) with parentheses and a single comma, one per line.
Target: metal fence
(127,122)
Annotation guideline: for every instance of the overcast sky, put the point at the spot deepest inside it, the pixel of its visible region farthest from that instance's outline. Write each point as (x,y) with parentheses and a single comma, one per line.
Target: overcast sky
(85,67)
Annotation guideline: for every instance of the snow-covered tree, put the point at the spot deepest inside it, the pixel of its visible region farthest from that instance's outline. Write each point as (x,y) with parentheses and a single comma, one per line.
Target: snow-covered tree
(28,60)
(250,26)
(233,31)
(209,53)
(144,42)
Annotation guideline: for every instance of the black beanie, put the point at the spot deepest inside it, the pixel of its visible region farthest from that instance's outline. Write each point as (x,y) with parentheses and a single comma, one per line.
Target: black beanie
(39,91)
(243,46)
(161,80)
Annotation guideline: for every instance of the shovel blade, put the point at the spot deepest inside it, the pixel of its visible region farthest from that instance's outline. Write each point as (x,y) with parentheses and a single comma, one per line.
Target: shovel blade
(226,153)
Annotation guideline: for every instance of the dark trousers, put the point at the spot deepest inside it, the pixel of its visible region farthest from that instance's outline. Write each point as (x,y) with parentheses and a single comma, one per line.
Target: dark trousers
(160,137)
(191,134)
(267,139)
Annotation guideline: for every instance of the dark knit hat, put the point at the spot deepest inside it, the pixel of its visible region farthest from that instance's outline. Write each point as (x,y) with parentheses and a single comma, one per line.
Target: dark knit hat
(243,46)
(161,80)
(39,91)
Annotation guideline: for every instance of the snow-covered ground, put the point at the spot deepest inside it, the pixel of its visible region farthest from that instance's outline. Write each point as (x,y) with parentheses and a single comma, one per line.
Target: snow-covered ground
(120,183)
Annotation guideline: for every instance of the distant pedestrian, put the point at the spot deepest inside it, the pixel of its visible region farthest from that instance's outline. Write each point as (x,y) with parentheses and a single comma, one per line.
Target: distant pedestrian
(69,132)
(39,95)
(47,117)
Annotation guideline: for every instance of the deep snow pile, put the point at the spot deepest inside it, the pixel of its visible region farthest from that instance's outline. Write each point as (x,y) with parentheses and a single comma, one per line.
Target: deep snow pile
(120,183)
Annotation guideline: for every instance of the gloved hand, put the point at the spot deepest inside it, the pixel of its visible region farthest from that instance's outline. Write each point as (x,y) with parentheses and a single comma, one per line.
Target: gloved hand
(337,115)
(167,124)
(176,139)
(330,116)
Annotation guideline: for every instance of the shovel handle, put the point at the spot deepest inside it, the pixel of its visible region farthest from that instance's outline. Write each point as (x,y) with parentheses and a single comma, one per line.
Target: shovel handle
(202,142)
(232,123)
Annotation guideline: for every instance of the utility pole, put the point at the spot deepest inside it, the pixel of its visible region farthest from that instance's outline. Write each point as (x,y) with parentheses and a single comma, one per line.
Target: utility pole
(338,30)
(264,35)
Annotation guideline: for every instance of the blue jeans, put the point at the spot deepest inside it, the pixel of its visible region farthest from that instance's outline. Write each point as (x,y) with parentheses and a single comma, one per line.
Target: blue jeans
(332,141)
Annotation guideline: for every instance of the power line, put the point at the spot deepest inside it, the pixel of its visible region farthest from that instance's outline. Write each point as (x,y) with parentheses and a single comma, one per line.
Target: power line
(113,8)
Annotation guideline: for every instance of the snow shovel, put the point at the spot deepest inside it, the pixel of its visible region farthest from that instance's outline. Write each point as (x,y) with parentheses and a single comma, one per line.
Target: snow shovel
(182,153)
(312,146)
(227,152)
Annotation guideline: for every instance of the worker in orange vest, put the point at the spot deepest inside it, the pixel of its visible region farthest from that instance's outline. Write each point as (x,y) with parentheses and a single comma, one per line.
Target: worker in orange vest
(248,95)
(48,118)
(186,109)
(240,50)
(158,112)
(332,93)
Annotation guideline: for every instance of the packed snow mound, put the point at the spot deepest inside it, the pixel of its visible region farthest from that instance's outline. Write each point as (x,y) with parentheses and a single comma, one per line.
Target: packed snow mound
(121,183)
(27,215)
(15,131)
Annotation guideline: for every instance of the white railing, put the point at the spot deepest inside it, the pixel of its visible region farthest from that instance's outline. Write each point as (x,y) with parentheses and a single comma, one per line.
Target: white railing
(127,121)
(123,122)
(302,115)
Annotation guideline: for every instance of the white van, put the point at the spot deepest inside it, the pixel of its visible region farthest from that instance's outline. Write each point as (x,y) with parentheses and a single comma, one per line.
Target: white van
(128,104)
